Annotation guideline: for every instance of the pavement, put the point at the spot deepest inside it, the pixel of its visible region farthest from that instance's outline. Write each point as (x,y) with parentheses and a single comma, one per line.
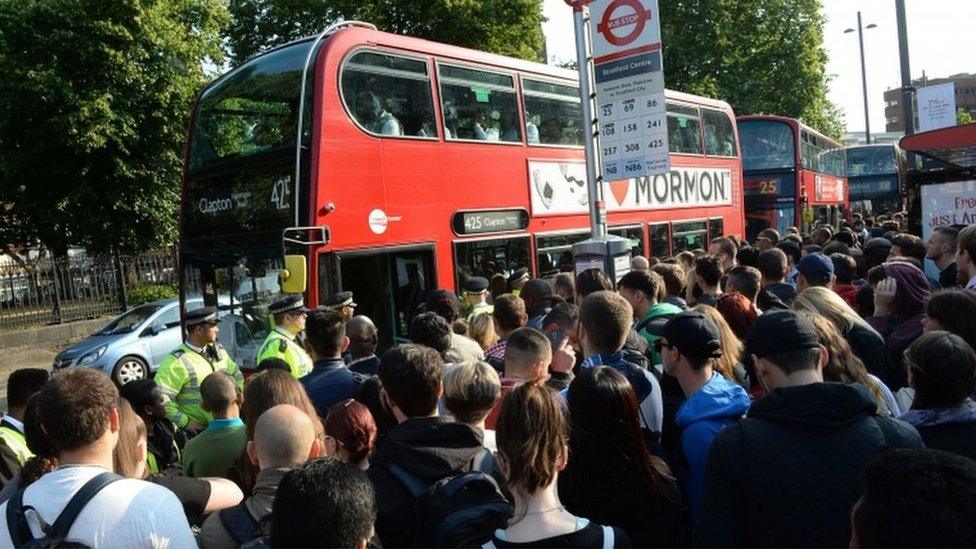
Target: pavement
(24,357)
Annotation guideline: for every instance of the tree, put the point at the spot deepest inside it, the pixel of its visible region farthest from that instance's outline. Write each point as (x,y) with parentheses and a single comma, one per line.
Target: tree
(963,117)
(761,56)
(508,27)
(96,97)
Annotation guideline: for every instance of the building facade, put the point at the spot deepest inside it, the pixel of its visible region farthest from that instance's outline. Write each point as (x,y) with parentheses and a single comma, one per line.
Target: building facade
(965,99)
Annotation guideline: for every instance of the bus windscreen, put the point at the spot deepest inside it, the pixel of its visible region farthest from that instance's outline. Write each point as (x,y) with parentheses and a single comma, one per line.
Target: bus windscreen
(867,161)
(252,110)
(766,145)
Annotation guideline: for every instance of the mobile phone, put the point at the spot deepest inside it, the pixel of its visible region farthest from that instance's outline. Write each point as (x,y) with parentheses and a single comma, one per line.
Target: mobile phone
(556,337)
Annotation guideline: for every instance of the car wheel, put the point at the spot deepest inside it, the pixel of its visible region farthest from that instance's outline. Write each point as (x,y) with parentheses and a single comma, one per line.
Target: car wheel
(129,368)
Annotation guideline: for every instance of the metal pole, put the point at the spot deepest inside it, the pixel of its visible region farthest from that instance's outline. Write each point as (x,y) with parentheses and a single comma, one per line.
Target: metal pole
(906,72)
(598,219)
(864,82)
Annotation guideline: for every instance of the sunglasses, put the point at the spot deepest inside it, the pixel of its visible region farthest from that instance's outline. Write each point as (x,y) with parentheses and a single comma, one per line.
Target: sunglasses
(660,344)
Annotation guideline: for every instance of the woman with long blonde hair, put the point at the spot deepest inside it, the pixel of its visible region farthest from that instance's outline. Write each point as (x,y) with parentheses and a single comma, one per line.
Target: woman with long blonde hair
(865,342)
(730,363)
(844,367)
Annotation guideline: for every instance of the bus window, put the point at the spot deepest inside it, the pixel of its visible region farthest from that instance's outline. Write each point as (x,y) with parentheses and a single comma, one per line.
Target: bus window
(660,240)
(766,145)
(716,228)
(689,235)
(552,113)
(684,129)
(634,234)
(490,258)
(479,105)
(719,135)
(555,252)
(389,95)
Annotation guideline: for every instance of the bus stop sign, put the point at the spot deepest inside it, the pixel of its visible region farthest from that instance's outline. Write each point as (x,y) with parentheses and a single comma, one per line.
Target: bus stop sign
(615,18)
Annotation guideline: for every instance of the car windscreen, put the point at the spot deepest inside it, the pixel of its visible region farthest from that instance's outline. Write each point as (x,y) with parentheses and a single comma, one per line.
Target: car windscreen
(129,321)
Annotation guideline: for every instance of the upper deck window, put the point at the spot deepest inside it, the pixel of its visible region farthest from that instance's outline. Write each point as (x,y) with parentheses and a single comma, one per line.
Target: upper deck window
(684,129)
(253,109)
(719,134)
(863,161)
(479,105)
(766,145)
(389,95)
(552,113)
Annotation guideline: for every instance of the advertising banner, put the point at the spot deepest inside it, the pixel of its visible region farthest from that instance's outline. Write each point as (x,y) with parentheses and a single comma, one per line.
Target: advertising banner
(945,205)
(559,188)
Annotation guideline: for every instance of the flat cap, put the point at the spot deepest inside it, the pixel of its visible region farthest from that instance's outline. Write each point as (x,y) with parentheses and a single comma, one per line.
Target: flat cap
(339,299)
(200,315)
(287,304)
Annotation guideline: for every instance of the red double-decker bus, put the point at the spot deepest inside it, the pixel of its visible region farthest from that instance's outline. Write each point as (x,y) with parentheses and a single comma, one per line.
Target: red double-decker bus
(794,176)
(396,165)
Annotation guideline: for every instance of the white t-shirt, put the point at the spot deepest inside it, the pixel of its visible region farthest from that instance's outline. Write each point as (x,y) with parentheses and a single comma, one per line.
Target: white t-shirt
(127,513)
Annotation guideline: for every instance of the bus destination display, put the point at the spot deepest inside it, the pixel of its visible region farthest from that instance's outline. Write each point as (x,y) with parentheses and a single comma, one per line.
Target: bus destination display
(490,221)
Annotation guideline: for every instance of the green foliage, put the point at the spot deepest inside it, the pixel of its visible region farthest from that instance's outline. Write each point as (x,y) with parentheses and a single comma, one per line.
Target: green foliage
(963,116)
(761,56)
(96,97)
(147,293)
(508,27)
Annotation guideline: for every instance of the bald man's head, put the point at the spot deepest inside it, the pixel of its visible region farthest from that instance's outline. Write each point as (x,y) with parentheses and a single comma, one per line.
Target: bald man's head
(283,437)
(362,336)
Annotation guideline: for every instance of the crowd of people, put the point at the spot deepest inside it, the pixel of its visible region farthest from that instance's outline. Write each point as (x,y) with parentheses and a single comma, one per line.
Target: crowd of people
(799,390)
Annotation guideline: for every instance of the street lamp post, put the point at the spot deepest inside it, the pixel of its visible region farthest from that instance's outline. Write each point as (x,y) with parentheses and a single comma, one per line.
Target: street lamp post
(864,77)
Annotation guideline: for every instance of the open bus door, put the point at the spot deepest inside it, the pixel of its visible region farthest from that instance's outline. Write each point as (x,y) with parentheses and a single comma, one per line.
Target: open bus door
(389,285)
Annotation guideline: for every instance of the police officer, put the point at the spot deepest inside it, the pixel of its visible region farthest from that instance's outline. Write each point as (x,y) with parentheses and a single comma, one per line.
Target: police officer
(21,386)
(342,302)
(518,279)
(476,294)
(289,318)
(183,370)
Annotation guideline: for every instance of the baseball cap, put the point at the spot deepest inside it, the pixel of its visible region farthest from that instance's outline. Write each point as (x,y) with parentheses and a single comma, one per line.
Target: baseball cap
(816,265)
(781,332)
(694,335)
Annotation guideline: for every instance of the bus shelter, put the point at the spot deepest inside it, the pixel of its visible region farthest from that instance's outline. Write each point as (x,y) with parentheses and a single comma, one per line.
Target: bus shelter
(944,171)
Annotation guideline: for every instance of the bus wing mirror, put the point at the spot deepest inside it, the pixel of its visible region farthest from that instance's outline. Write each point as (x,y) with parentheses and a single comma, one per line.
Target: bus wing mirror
(293,277)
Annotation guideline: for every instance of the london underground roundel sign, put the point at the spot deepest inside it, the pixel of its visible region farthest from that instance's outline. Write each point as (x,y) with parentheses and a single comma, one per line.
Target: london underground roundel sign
(623,21)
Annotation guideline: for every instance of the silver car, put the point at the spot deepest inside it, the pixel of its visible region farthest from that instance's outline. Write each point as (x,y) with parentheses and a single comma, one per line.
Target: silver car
(132,345)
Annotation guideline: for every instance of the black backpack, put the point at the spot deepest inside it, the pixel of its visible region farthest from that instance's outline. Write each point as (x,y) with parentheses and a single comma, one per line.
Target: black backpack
(55,535)
(241,525)
(461,510)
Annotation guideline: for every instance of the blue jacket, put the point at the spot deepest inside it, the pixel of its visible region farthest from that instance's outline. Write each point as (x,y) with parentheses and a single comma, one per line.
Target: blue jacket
(718,403)
(330,382)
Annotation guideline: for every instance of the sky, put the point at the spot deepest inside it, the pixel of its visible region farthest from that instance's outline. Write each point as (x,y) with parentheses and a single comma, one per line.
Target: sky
(940,39)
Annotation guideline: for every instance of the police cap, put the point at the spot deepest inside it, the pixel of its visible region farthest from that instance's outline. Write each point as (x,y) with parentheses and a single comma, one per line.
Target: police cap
(201,315)
(339,299)
(475,285)
(288,304)
(518,275)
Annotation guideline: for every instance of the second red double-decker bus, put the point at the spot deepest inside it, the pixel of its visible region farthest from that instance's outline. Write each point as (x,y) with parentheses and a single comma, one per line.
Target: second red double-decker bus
(794,176)
(396,165)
